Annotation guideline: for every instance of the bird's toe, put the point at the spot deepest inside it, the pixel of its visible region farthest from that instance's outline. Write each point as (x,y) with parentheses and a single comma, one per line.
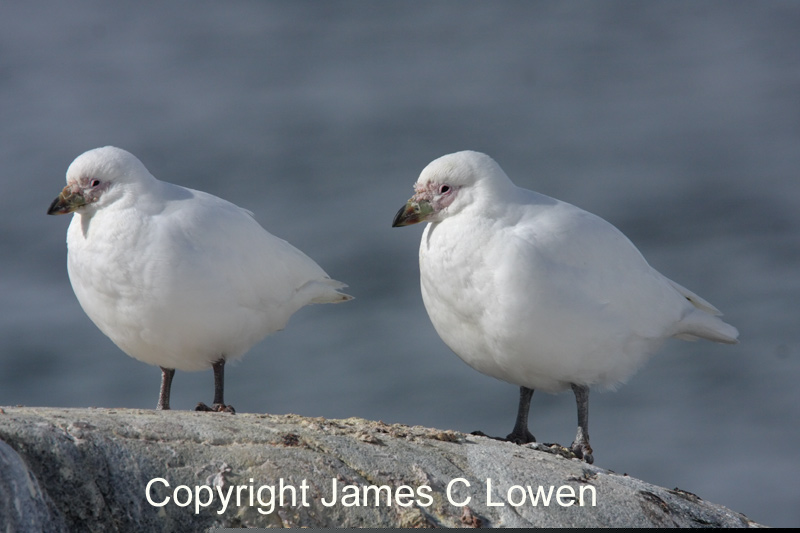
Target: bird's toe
(479,433)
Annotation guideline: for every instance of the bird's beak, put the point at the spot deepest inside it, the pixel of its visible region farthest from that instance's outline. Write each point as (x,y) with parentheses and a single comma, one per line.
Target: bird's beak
(411,213)
(66,202)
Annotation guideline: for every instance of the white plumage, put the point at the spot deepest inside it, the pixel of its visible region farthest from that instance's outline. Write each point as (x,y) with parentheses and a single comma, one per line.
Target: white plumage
(176,277)
(538,292)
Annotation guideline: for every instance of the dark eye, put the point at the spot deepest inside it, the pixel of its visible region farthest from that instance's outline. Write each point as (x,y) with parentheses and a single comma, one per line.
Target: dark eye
(95,183)
(443,189)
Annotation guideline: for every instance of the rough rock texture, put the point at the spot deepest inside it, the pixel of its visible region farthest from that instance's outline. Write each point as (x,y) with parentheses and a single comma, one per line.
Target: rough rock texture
(89,469)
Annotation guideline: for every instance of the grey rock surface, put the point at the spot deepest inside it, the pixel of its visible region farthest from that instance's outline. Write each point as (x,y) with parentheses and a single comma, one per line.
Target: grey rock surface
(90,469)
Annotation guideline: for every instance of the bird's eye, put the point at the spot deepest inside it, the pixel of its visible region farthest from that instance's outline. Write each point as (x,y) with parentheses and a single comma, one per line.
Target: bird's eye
(95,183)
(443,189)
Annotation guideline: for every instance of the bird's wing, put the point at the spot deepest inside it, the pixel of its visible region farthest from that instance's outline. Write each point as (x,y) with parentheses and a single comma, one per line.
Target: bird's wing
(582,267)
(253,268)
(597,267)
(696,300)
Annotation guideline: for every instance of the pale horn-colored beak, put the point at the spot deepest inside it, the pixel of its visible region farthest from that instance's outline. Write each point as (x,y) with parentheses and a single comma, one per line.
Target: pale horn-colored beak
(66,202)
(412,213)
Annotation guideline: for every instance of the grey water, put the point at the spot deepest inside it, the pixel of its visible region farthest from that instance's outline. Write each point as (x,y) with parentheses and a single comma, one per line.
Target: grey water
(679,122)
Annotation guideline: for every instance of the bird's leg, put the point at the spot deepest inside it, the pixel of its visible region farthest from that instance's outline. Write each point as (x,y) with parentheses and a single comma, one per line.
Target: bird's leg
(219,391)
(580,446)
(521,435)
(219,382)
(166,385)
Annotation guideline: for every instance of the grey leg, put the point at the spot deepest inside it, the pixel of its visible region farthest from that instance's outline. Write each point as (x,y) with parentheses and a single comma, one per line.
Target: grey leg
(219,382)
(166,386)
(521,435)
(219,391)
(580,446)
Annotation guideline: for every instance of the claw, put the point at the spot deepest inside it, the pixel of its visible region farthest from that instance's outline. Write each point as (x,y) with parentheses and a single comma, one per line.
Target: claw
(582,450)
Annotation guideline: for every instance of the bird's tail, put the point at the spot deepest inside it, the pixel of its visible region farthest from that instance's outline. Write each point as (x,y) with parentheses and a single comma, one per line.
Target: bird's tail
(703,321)
(325,291)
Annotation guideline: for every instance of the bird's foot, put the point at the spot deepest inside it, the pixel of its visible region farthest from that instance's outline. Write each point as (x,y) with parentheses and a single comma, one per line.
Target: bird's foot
(582,450)
(215,408)
(520,437)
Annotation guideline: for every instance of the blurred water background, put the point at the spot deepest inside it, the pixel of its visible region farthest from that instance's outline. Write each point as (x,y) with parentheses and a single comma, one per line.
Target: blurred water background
(677,121)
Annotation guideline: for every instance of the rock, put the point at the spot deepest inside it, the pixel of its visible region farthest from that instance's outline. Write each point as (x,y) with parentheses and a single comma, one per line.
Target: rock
(139,470)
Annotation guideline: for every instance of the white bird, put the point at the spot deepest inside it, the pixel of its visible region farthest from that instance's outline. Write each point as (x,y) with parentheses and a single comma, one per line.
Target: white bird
(539,293)
(176,277)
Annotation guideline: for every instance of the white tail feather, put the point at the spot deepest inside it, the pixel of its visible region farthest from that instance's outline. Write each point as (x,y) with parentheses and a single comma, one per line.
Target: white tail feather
(702,322)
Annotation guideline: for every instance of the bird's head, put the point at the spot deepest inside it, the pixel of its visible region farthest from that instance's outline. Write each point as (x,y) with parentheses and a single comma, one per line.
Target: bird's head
(97,178)
(451,183)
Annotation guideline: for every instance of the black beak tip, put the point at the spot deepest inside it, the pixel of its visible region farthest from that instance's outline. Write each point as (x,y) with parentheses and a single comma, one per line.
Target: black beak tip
(398,218)
(53,209)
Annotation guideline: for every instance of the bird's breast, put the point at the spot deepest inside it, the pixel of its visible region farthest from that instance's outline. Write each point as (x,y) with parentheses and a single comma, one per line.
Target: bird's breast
(459,289)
